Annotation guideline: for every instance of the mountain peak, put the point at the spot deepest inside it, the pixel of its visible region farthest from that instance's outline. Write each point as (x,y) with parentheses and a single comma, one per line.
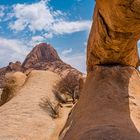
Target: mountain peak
(42,52)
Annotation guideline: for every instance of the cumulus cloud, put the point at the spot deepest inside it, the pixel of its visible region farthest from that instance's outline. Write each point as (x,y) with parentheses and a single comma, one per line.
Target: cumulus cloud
(78,61)
(40,17)
(67,51)
(66,27)
(48,35)
(36,16)
(2,8)
(36,40)
(12,50)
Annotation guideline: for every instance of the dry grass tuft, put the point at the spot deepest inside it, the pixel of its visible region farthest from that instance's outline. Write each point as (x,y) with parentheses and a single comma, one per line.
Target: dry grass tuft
(53,109)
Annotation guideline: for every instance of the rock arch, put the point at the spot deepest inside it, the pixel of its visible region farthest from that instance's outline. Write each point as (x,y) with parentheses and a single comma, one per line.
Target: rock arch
(114,33)
(108,108)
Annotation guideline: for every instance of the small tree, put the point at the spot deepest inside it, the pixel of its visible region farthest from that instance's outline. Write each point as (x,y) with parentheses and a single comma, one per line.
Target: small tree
(69,85)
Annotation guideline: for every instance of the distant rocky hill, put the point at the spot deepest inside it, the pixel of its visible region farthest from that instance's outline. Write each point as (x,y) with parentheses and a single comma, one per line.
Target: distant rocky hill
(42,57)
(12,67)
(42,53)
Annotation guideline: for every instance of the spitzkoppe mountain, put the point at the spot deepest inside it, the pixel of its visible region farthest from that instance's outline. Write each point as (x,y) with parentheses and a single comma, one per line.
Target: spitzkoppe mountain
(42,57)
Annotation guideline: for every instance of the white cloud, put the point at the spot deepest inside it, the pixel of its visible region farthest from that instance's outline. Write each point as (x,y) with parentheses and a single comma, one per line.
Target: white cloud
(85,44)
(48,35)
(40,17)
(78,61)
(37,38)
(66,27)
(12,50)
(36,16)
(67,51)
(2,8)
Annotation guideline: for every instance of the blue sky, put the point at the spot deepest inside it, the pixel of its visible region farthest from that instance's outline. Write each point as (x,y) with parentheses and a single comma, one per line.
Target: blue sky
(63,24)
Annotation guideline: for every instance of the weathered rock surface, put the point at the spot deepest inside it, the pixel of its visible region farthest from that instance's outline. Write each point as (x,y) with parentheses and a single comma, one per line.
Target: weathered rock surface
(114,34)
(41,53)
(26,116)
(109,107)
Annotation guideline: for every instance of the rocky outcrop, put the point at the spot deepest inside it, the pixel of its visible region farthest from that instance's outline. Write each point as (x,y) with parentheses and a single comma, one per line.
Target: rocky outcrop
(114,33)
(27,116)
(108,108)
(42,57)
(42,53)
(45,57)
(12,67)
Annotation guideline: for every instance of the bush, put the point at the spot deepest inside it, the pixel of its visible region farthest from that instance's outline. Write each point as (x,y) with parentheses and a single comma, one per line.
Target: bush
(12,83)
(53,109)
(69,85)
(8,91)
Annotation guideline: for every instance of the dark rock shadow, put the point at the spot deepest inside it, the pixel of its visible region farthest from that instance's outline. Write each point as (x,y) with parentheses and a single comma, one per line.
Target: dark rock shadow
(103,111)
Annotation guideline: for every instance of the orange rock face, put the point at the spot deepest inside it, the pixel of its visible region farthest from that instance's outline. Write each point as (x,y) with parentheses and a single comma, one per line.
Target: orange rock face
(114,34)
(108,108)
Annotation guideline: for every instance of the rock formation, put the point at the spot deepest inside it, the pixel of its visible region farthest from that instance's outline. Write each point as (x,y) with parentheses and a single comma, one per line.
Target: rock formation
(108,108)
(42,57)
(114,33)
(42,53)
(45,57)
(27,116)
(12,67)
(28,102)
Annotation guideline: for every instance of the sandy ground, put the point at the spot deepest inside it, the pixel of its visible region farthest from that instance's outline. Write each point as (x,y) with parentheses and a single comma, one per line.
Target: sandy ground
(24,118)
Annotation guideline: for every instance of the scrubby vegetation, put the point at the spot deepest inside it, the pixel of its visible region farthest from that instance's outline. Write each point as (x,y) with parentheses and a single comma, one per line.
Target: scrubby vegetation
(66,90)
(8,90)
(53,109)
